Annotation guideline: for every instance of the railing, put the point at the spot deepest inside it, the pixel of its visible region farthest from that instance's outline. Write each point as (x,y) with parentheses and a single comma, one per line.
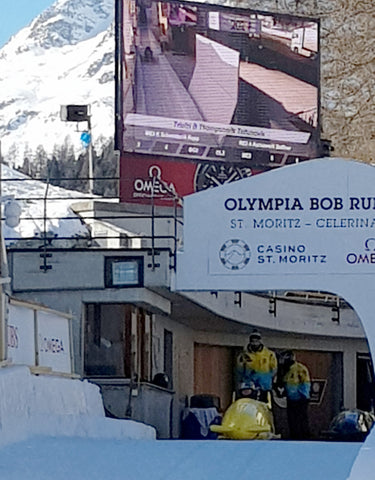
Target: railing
(307,297)
(55,218)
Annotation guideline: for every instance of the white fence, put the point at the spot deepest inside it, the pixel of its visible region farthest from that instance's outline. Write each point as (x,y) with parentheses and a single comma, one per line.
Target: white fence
(39,337)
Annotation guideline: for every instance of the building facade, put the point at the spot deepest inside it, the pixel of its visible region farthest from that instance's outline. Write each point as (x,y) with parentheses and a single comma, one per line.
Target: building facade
(128,326)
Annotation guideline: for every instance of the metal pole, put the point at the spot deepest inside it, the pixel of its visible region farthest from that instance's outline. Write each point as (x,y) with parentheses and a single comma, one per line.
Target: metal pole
(45,255)
(91,166)
(1,215)
(3,328)
(3,317)
(153,223)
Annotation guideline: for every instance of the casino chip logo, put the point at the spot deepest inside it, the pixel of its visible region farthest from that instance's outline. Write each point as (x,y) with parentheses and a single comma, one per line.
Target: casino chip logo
(235,254)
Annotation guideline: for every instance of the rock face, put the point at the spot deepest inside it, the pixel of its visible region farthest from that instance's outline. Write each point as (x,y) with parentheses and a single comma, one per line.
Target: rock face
(347,41)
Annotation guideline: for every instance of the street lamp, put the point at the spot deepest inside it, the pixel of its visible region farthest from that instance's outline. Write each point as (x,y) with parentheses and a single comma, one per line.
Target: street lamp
(81,113)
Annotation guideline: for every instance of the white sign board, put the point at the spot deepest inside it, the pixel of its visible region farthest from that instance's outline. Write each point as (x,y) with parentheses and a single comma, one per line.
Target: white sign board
(291,226)
(38,337)
(54,342)
(309,226)
(21,341)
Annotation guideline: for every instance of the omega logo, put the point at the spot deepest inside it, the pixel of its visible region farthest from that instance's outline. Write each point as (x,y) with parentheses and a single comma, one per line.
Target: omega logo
(356,258)
(154,183)
(156,169)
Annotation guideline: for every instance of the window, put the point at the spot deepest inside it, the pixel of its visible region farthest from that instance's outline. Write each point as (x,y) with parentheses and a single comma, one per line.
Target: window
(118,341)
(123,272)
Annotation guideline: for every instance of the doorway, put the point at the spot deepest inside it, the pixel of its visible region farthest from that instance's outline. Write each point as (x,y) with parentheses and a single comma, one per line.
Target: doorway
(213,372)
(117,341)
(365,383)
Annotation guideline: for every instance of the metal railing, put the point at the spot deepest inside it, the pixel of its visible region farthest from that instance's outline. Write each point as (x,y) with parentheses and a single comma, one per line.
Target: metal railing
(53,218)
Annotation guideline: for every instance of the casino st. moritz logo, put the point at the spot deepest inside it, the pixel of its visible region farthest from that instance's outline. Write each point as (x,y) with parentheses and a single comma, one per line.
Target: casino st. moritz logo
(235,254)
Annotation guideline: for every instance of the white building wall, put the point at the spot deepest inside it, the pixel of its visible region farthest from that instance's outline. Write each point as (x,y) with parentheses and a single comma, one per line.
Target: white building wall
(303,317)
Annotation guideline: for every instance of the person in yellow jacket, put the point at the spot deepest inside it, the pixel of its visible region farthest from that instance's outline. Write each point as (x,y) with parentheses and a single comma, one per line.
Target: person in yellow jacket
(256,367)
(295,381)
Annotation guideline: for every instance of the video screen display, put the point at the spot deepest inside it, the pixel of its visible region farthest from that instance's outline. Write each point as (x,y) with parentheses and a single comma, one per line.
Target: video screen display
(208,83)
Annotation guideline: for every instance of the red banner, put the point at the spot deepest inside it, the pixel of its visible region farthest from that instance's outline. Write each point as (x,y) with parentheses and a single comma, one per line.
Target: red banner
(144,178)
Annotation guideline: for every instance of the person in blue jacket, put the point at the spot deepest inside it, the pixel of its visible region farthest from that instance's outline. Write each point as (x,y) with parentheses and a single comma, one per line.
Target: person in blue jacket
(294,380)
(256,368)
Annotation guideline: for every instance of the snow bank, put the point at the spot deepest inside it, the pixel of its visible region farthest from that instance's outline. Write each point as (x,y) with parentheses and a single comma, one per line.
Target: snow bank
(57,406)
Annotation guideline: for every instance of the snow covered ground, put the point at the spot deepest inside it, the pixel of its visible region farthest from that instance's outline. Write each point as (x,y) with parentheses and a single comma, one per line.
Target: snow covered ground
(53,405)
(46,411)
(43,458)
(55,428)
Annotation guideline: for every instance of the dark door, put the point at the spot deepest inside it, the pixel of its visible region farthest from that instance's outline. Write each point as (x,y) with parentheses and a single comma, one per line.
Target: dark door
(365,382)
(213,372)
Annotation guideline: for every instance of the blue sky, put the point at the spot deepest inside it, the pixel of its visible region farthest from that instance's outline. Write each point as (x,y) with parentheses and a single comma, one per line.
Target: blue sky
(16,14)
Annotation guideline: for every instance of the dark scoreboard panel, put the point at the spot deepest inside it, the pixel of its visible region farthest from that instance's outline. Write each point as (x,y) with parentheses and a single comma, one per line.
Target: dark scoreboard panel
(158,141)
(206,84)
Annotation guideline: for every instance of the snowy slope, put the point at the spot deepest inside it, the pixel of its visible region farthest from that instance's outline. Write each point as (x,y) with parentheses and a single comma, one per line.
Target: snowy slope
(65,56)
(44,458)
(55,428)
(29,195)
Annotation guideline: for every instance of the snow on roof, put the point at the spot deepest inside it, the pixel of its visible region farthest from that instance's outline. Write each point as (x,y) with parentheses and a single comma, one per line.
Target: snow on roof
(44,208)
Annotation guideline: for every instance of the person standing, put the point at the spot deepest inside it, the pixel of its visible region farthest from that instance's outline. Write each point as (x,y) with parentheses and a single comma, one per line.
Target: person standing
(295,380)
(256,367)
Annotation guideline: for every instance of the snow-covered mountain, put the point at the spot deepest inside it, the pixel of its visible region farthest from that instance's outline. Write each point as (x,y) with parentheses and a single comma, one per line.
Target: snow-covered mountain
(65,56)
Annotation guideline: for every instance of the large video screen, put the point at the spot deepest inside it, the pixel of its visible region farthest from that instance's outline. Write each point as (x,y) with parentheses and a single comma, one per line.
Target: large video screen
(208,83)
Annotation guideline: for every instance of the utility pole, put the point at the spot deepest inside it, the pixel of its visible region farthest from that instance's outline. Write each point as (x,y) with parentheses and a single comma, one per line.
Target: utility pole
(91,163)
(81,113)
